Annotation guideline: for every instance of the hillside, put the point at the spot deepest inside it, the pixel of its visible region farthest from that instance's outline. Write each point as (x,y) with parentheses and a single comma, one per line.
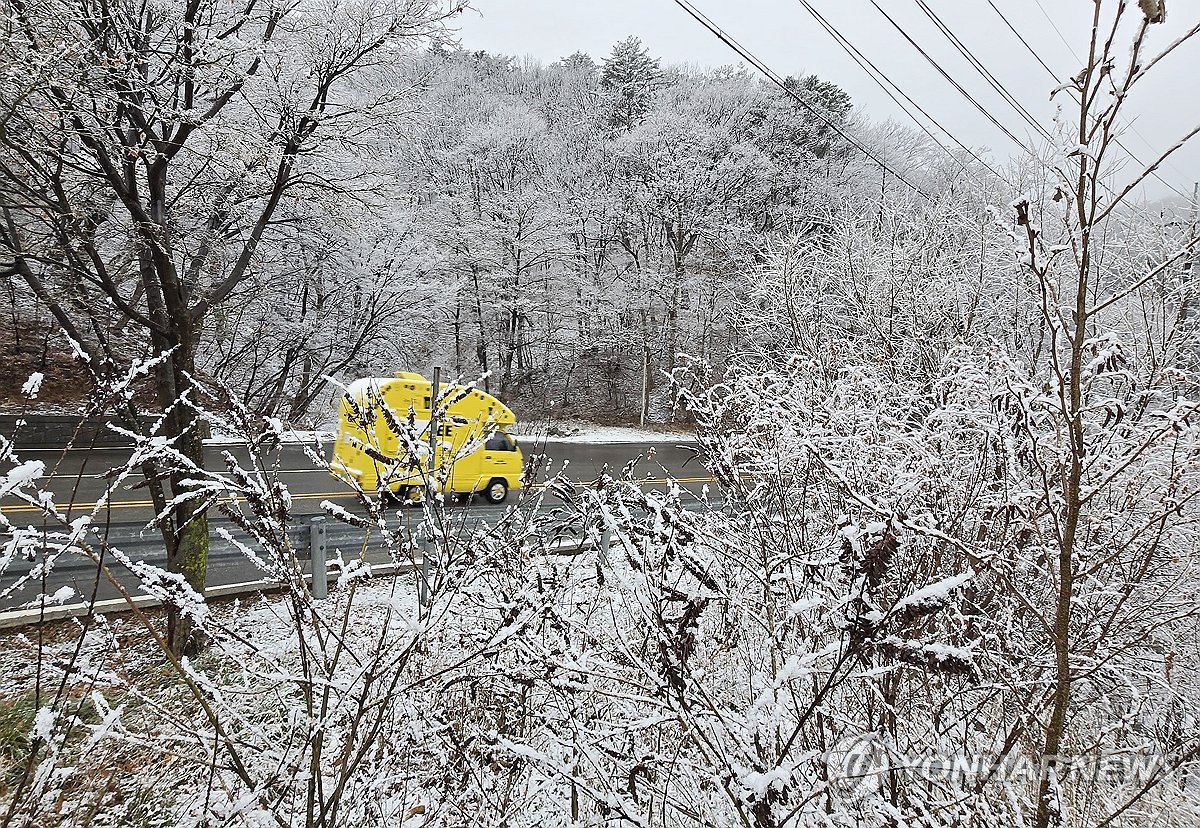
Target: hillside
(30,348)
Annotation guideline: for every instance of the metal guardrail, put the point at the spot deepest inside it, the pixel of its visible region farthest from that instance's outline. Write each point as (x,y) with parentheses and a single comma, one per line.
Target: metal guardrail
(312,540)
(54,431)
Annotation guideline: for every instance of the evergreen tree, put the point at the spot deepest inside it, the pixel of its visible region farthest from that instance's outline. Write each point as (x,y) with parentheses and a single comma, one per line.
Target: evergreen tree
(579,62)
(817,135)
(632,77)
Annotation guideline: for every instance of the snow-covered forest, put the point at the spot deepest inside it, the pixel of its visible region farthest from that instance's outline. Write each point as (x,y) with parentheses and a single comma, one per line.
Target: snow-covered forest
(565,229)
(946,572)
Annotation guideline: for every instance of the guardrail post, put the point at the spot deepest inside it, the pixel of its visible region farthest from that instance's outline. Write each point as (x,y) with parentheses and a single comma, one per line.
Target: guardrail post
(605,542)
(427,547)
(316,548)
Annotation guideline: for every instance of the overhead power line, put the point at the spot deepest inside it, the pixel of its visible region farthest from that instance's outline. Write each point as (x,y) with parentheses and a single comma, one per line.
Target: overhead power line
(1057,31)
(1054,77)
(884,82)
(982,109)
(1024,42)
(770,74)
(983,71)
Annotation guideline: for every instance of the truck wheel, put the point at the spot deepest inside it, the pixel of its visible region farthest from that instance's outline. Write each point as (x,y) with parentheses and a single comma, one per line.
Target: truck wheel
(496,491)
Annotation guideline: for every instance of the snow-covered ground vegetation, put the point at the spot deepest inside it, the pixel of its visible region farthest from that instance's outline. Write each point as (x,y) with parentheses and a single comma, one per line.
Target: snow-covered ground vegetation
(857,636)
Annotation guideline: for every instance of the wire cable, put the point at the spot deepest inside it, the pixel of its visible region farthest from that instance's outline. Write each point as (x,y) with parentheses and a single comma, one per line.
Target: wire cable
(951,80)
(1058,32)
(770,74)
(977,64)
(883,82)
(1024,42)
(1054,76)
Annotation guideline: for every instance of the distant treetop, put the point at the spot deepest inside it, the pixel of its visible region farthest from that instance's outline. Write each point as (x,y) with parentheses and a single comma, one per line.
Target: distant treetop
(828,96)
(579,62)
(633,76)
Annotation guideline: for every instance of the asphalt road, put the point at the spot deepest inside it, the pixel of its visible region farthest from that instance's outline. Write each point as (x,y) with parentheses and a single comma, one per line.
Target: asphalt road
(78,479)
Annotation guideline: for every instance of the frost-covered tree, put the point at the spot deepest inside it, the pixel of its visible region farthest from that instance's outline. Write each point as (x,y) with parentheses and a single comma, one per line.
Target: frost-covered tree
(1110,425)
(595,251)
(691,182)
(339,308)
(813,168)
(580,62)
(1025,412)
(632,77)
(146,156)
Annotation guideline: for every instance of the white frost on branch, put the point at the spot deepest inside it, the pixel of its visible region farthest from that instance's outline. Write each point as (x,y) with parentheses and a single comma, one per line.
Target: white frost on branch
(934,595)
(43,724)
(33,385)
(354,571)
(22,475)
(78,351)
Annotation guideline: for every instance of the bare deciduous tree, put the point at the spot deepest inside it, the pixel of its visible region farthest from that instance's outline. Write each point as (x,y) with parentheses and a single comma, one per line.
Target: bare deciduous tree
(145,153)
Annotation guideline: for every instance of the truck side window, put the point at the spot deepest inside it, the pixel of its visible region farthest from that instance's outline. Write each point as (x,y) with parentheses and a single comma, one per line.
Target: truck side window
(498,442)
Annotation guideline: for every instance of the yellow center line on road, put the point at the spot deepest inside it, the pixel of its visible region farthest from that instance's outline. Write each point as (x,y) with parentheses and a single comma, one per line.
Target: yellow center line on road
(144,504)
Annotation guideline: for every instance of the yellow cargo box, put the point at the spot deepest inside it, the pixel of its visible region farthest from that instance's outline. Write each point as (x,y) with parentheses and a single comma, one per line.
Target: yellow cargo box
(383,439)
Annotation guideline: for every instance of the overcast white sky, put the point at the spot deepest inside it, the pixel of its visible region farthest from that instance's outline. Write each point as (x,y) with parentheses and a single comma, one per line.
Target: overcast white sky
(783,35)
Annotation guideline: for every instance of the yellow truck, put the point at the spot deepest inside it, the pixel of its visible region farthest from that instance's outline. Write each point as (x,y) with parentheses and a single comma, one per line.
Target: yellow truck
(383,439)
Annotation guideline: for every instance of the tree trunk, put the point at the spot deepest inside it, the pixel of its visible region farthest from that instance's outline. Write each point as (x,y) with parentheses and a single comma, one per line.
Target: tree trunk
(481,347)
(185,530)
(1073,503)
(303,397)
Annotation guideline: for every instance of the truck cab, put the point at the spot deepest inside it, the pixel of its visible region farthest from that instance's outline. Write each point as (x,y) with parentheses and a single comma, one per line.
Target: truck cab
(383,439)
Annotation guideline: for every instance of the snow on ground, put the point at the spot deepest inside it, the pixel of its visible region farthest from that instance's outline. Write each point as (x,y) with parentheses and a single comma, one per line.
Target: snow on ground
(288,435)
(579,432)
(564,432)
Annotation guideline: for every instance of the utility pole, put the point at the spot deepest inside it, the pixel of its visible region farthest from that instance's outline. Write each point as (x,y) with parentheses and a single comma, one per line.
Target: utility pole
(428,537)
(433,431)
(1189,263)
